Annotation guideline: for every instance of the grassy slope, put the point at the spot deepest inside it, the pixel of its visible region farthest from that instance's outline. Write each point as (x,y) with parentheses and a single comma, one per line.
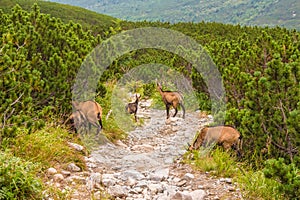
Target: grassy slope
(245,12)
(88,19)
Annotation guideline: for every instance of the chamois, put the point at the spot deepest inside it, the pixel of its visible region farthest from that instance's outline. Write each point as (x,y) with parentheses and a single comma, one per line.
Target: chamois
(226,136)
(132,108)
(171,99)
(77,119)
(88,112)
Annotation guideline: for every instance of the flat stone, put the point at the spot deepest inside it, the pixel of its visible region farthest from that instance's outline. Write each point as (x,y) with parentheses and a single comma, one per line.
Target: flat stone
(51,171)
(181,196)
(198,194)
(73,168)
(58,177)
(160,174)
(188,176)
(155,188)
(118,191)
(181,183)
(76,146)
(65,172)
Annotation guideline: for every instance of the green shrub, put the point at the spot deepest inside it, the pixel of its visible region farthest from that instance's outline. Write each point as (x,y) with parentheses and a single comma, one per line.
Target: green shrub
(17,178)
(287,176)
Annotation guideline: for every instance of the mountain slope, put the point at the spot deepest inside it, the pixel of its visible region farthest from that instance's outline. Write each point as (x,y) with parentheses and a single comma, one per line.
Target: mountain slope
(90,20)
(245,12)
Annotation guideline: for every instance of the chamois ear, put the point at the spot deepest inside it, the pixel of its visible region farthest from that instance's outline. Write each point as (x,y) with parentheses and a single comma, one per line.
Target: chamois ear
(158,84)
(156,81)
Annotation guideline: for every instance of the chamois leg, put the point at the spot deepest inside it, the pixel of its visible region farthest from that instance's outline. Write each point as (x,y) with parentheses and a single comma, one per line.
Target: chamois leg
(99,120)
(176,110)
(168,110)
(100,123)
(183,110)
(98,130)
(135,118)
(97,125)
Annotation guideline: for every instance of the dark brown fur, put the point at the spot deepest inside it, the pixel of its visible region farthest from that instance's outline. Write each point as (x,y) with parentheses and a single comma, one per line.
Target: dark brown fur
(173,99)
(132,108)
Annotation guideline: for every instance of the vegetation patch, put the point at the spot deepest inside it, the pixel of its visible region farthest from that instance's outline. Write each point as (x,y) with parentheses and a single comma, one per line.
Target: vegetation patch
(217,162)
(49,147)
(18,178)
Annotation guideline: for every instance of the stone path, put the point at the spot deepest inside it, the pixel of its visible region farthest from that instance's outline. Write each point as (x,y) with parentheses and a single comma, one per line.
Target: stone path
(147,165)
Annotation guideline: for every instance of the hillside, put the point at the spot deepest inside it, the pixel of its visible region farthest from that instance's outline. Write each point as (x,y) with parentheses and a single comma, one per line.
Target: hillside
(40,56)
(247,12)
(88,19)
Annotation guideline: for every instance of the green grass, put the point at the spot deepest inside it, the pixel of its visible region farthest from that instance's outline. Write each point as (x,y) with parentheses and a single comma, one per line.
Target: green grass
(218,162)
(256,186)
(23,164)
(253,184)
(48,147)
(18,178)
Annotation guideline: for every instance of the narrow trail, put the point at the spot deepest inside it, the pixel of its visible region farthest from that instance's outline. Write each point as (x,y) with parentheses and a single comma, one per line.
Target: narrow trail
(154,145)
(147,165)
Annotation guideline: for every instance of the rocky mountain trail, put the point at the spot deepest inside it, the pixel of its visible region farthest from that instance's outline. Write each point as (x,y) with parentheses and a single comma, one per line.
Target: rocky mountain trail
(147,165)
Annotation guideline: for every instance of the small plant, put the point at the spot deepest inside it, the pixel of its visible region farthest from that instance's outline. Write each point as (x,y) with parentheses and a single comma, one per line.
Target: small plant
(218,162)
(18,178)
(256,186)
(287,175)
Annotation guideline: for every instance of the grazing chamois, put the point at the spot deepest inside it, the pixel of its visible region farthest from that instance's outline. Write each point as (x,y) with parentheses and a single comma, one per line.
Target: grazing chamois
(87,113)
(225,136)
(77,120)
(132,108)
(173,99)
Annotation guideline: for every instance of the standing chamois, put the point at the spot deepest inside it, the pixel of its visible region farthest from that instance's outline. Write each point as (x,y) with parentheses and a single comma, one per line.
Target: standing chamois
(171,99)
(132,108)
(86,113)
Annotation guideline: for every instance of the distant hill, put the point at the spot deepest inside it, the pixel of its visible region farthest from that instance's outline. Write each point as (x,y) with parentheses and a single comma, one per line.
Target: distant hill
(90,20)
(284,13)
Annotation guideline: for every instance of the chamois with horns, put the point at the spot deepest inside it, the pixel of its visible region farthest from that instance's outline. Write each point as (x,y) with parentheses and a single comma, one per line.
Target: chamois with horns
(87,113)
(171,98)
(132,107)
(225,136)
